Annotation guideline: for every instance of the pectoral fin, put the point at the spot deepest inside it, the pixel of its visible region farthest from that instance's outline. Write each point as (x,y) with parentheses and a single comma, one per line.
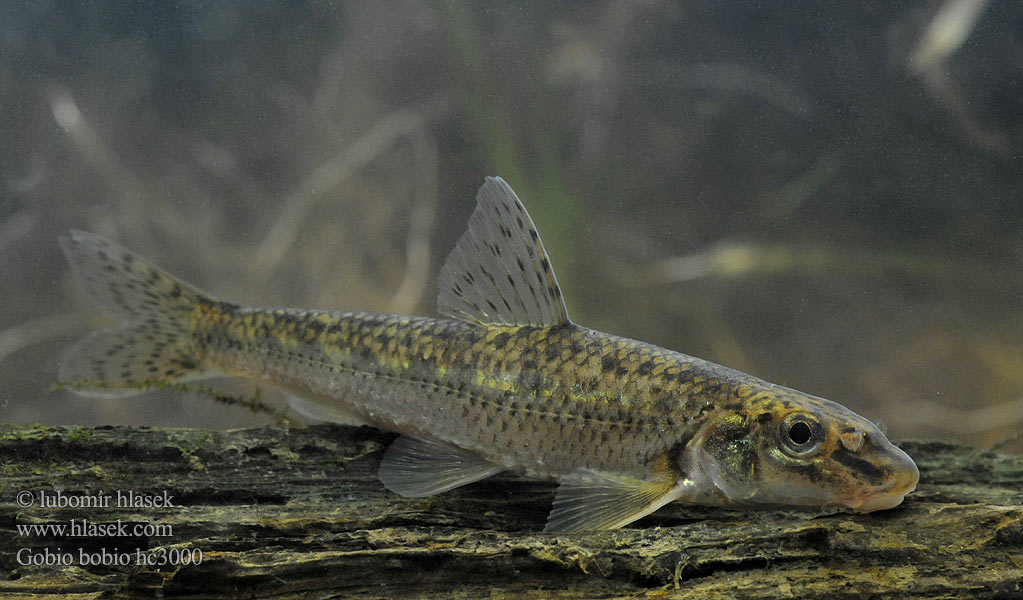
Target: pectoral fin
(595,500)
(416,467)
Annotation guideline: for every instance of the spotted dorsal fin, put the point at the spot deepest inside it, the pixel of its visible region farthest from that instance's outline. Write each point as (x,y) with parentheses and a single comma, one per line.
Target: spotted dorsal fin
(499,272)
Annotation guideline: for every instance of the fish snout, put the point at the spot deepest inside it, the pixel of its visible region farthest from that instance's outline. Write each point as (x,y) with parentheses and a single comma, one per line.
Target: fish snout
(904,478)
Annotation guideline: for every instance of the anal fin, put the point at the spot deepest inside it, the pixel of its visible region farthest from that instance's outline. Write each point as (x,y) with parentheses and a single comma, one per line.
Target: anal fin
(415,467)
(590,500)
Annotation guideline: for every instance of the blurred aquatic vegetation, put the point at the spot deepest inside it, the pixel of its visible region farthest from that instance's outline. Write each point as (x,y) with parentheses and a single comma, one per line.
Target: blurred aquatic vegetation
(824,195)
(946,33)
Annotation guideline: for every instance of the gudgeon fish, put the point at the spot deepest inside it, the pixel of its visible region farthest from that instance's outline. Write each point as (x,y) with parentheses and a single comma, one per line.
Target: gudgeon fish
(505,382)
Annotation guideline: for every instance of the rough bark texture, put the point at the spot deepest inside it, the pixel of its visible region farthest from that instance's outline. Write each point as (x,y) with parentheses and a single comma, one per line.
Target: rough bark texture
(281,512)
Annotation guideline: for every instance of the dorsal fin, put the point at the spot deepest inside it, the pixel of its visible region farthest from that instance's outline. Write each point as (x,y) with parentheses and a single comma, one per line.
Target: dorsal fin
(499,272)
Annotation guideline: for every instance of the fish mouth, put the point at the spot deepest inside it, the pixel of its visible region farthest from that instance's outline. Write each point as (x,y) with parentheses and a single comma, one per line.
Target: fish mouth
(875,500)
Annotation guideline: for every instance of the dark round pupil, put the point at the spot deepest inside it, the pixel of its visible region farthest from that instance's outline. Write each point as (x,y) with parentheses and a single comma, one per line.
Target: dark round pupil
(800,433)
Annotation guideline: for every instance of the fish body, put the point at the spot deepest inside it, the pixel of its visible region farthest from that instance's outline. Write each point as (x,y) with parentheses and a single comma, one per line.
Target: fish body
(507,383)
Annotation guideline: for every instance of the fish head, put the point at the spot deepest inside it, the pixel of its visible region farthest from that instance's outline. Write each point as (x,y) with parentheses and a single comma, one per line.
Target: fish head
(801,451)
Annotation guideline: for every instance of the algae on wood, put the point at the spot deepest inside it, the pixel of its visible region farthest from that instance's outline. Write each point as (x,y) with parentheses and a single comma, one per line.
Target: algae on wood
(281,512)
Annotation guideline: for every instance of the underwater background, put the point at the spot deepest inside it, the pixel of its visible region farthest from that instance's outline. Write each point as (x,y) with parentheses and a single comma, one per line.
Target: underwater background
(827,196)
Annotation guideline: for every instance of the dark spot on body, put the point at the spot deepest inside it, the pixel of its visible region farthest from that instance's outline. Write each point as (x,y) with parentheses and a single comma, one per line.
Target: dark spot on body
(734,405)
(645,367)
(500,340)
(608,363)
(764,417)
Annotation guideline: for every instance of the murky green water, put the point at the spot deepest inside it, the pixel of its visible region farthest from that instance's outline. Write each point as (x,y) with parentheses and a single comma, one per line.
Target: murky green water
(827,197)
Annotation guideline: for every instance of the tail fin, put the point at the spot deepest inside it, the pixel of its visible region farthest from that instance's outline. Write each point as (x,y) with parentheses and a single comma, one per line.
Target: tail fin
(154,345)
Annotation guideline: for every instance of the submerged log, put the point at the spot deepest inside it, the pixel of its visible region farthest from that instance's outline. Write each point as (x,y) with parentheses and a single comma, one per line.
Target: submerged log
(283,512)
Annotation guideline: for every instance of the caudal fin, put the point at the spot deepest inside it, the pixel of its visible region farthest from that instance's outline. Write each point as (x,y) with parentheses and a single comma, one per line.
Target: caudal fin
(154,345)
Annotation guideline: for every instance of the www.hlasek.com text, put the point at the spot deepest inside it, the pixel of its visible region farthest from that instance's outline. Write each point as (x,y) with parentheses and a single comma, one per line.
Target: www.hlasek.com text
(81,528)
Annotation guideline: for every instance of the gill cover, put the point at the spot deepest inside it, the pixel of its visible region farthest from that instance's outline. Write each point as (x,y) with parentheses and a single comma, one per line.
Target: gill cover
(729,459)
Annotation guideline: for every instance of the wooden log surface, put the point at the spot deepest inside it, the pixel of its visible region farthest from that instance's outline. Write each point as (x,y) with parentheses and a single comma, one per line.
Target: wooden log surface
(298,512)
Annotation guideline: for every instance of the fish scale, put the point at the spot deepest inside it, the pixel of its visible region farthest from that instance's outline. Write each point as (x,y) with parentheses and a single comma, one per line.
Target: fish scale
(507,382)
(597,410)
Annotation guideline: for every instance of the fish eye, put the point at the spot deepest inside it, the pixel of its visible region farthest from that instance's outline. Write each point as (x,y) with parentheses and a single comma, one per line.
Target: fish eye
(801,435)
